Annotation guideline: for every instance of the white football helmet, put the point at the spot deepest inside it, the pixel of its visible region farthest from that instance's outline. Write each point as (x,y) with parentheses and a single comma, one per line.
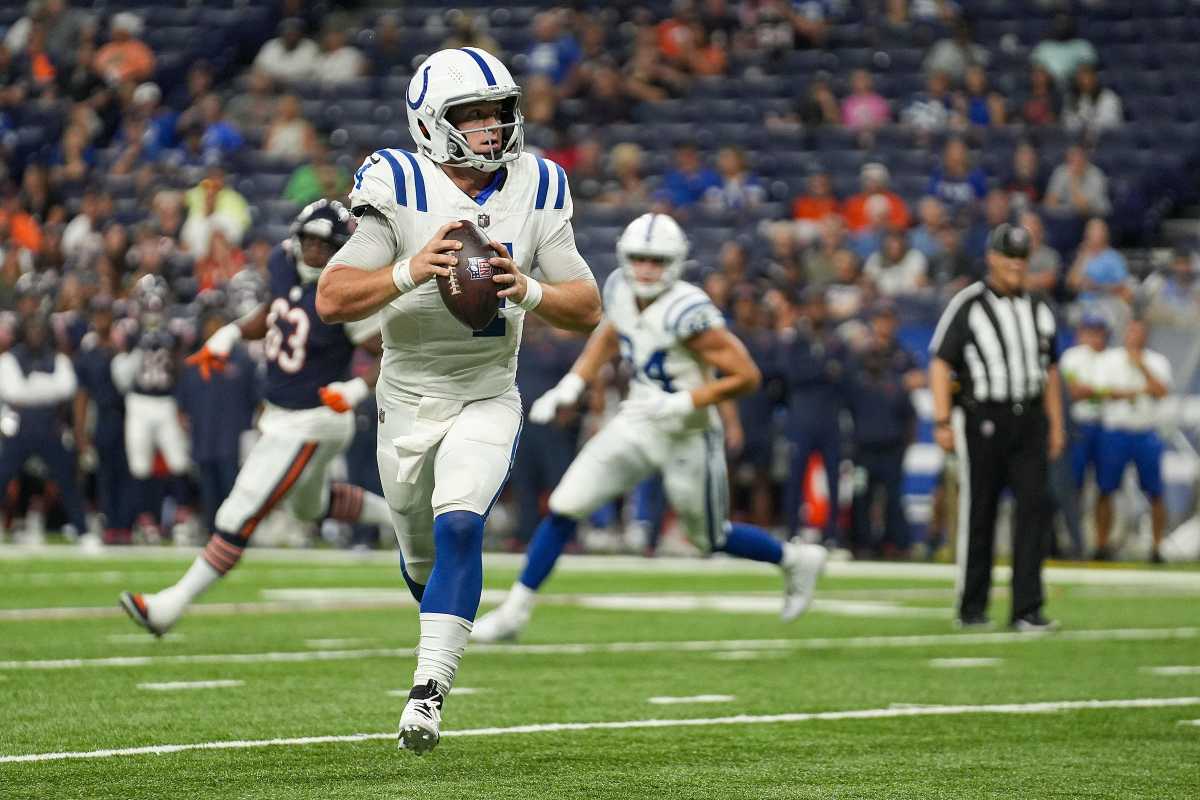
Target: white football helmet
(658,237)
(453,77)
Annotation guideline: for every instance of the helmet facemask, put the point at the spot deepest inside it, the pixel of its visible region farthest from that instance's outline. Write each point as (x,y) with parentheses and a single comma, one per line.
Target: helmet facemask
(510,131)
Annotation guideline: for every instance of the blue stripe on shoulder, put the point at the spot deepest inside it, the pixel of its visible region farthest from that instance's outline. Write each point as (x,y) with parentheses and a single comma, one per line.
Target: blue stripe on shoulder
(397,176)
(674,305)
(674,326)
(543,184)
(418,181)
(562,187)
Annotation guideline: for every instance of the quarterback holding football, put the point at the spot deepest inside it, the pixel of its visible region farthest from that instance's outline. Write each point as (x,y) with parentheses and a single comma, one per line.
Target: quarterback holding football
(449,412)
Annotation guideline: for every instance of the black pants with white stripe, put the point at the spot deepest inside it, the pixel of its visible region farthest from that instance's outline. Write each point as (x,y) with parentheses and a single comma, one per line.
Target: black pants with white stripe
(1003,447)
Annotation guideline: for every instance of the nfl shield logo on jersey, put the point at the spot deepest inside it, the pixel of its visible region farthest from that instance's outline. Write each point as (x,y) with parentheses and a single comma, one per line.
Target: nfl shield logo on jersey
(483,220)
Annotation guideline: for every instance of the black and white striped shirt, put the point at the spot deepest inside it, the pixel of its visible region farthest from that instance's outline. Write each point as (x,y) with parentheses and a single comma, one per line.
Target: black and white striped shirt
(1000,346)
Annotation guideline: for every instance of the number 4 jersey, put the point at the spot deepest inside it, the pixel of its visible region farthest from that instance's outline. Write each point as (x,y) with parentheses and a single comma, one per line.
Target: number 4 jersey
(653,339)
(303,353)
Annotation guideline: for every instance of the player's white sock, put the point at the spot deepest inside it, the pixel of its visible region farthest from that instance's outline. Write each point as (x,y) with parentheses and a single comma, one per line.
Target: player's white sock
(170,602)
(520,599)
(443,640)
(375,511)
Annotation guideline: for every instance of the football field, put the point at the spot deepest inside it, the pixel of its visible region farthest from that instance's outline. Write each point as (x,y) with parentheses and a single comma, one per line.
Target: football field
(637,679)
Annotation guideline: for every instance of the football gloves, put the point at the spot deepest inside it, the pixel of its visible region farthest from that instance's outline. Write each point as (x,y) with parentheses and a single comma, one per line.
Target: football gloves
(342,396)
(566,393)
(211,357)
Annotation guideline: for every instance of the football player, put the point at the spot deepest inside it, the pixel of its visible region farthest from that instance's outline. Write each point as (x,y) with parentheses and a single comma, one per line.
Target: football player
(449,412)
(684,362)
(304,425)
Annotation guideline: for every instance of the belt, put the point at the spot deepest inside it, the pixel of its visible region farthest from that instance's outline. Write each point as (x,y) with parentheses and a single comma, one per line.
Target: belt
(1017,408)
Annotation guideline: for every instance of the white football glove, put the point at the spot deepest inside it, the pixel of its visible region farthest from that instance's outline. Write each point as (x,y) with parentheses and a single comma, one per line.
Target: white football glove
(666,408)
(221,342)
(566,393)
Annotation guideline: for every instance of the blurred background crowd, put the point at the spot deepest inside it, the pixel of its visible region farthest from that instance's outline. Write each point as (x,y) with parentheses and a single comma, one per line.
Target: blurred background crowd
(837,165)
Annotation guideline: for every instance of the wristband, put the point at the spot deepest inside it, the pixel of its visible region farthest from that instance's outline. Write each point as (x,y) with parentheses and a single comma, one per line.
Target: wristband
(533,294)
(402,276)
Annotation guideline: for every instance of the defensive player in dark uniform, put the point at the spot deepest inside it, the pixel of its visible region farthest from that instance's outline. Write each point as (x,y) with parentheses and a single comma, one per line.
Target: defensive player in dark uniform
(304,425)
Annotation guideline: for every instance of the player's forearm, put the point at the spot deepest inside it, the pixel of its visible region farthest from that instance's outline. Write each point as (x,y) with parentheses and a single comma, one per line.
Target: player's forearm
(573,306)
(599,350)
(254,325)
(348,294)
(725,388)
(939,385)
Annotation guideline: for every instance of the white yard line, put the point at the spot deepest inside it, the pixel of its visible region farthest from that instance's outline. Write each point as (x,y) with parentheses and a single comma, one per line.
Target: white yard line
(748,655)
(964,663)
(669,700)
(1194,722)
(171,686)
(701,646)
(335,644)
(1172,670)
(562,727)
(142,638)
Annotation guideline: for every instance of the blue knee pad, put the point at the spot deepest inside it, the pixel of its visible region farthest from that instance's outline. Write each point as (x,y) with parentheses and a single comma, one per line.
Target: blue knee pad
(456,580)
(545,547)
(755,544)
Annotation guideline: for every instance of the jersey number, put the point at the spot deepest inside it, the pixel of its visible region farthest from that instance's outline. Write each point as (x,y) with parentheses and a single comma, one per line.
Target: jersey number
(653,368)
(291,359)
(155,374)
(497,326)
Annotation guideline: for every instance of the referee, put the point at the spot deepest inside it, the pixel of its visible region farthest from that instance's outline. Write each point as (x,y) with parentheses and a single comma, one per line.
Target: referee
(994,359)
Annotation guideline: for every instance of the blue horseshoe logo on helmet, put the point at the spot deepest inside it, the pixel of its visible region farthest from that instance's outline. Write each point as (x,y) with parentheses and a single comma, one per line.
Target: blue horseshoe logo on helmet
(414,104)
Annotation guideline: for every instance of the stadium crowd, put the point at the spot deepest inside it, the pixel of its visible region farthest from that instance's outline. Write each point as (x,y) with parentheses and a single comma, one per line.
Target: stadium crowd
(152,194)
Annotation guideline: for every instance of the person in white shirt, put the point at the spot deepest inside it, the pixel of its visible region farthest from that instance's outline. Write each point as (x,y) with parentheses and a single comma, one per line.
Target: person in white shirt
(1093,108)
(1133,379)
(338,62)
(289,56)
(1079,369)
(897,268)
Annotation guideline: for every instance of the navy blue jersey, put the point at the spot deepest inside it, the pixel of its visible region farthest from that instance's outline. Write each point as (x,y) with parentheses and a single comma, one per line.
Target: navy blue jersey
(157,373)
(303,353)
(93,370)
(221,407)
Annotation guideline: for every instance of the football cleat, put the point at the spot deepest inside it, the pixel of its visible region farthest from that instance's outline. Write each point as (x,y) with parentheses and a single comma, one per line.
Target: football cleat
(973,622)
(421,720)
(502,624)
(138,609)
(1034,623)
(802,565)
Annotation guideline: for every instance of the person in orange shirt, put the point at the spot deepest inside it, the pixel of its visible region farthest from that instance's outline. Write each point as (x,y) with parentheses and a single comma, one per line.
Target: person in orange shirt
(23,229)
(125,57)
(875,177)
(818,201)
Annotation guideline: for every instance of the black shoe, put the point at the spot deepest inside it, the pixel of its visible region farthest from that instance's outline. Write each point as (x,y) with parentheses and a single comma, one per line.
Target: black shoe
(1034,623)
(973,622)
(1101,554)
(1156,557)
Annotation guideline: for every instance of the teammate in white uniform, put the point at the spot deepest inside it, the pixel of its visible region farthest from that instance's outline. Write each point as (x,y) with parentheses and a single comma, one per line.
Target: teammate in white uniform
(675,341)
(449,413)
(303,424)
(1133,379)
(1079,366)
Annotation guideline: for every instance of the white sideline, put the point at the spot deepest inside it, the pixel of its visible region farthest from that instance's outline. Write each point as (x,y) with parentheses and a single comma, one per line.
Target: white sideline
(1172,671)
(670,700)
(170,686)
(558,727)
(703,646)
(964,663)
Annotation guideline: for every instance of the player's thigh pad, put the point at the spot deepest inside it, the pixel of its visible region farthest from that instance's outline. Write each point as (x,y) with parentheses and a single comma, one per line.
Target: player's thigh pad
(140,422)
(274,466)
(613,461)
(309,498)
(475,457)
(397,420)
(171,439)
(696,482)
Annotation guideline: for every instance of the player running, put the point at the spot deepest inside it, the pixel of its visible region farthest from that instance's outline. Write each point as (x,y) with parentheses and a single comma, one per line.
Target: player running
(449,412)
(304,425)
(675,342)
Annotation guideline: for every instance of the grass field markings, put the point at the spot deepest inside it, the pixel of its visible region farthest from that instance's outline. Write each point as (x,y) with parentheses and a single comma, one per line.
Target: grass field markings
(335,644)
(748,655)
(1194,722)
(172,686)
(964,663)
(142,638)
(669,700)
(701,646)
(1172,671)
(562,727)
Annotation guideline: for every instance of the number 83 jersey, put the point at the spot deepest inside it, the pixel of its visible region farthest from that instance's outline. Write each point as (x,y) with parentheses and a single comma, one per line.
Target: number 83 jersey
(653,340)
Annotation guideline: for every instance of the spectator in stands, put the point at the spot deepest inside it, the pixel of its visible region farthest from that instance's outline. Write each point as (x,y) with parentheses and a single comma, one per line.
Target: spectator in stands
(926,236)
(39,198)
(81,236)
(818,201)
(1092,108)
(339,61)
(1044,261)
(996,211)
(467,31)
(1174,293)
(131,146)
(253,110)
(739,188)
(951,269)
(213,206)
(873,179)
(167,210)
(846,296)
(61,26)
(555,51)
(220,137)
(785,263)
(1063,53)
(386,48)
(320,177)
(817,108)
(820,265)
(978,104)
(897,268)
(221,263)
(609,98)
(1041,103)
(954,55)
(1078,187)
(199,84)
(955,182)
(73,161)
(291,136)
(869,239)
(932,110)
(628,186)
(125,57)
(1099,271)
(731,262)
(290,56)
(161,121)
(688,183)
(648,77)
(23,230)
(1026,183)
(864,109)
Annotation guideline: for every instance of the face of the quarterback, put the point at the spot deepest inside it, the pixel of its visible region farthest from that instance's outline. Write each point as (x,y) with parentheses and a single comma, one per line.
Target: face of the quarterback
(479,124)
(647,270)
(316,252)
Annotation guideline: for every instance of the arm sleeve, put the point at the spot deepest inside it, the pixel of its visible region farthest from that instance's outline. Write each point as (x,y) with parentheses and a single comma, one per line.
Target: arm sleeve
(950,337)
(373,245)
(696,319)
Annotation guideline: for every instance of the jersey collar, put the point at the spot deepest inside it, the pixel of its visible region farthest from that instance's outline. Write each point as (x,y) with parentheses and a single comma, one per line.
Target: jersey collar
(495,185)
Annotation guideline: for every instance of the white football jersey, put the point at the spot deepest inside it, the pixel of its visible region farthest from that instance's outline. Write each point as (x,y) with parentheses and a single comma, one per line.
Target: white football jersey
(1118,372)
(1079,364)
(653,339)
(528,208)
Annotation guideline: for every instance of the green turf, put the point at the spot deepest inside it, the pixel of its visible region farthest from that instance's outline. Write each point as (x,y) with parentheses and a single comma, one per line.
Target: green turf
(1096,753)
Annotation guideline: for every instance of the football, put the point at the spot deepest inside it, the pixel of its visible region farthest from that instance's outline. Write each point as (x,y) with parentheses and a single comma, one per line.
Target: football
(468,291)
